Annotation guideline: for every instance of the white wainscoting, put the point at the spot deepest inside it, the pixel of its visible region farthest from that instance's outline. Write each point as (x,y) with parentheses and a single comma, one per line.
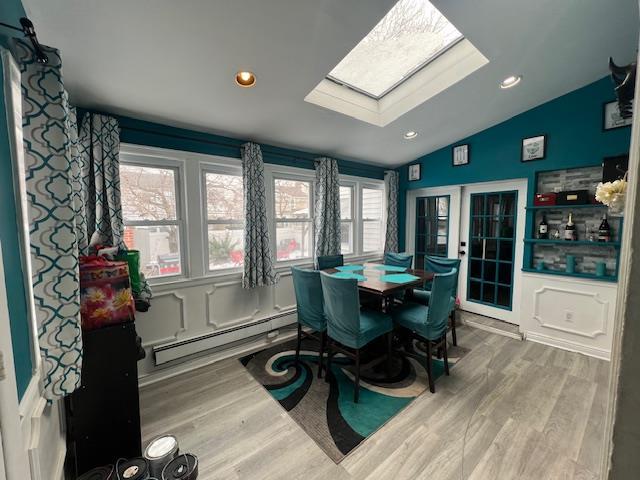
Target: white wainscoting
(191,309)
(569,313)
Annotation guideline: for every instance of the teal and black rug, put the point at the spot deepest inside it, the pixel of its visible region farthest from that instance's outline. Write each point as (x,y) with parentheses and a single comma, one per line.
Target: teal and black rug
(325,410)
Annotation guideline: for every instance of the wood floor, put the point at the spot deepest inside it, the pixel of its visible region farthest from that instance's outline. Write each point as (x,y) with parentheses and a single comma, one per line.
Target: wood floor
(509,410)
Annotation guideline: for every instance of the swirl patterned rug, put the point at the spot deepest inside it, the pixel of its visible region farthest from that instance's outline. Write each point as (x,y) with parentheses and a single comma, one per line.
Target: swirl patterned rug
(325,410)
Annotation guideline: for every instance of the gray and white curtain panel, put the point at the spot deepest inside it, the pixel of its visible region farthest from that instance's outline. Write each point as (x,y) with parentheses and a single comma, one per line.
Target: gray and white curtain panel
(100,221)
(258,263)
(50,147)
(327,207)
(391,181)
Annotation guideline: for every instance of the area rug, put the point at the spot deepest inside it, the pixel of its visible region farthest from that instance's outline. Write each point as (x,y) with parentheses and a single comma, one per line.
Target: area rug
(325,410)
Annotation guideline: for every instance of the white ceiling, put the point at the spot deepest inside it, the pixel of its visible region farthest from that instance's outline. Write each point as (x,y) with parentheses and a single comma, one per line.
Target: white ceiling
(174,61)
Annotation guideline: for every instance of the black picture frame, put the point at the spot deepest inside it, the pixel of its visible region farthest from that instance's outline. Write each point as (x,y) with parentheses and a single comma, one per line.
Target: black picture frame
(544,148)
(411,167)
(627,122)
(453,155)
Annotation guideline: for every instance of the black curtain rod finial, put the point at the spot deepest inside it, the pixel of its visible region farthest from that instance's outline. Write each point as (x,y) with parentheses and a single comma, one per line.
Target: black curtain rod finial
(30,32)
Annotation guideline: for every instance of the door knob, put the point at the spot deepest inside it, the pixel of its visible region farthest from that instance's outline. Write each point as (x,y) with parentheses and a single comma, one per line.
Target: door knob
(462,252)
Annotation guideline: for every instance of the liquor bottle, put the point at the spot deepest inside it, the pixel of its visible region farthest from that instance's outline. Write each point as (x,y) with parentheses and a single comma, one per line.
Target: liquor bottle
(604,232)
(570,230)
(543,229)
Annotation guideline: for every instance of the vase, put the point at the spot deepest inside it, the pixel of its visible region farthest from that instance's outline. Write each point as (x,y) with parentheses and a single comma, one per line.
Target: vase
(616,205)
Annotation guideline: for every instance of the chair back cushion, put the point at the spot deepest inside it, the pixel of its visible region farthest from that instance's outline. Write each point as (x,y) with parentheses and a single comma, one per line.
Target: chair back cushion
(440,301)
(330,261)
(341,307)
(398,259)
(441,265)
(308,287)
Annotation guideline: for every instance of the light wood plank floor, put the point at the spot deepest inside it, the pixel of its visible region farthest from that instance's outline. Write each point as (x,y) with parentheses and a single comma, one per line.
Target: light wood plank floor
(509,410)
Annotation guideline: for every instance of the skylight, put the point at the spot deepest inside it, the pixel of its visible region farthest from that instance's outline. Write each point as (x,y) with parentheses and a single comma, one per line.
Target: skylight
(411,35)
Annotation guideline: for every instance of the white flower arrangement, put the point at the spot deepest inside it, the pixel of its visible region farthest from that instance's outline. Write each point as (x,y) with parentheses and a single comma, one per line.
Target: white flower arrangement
(612,194)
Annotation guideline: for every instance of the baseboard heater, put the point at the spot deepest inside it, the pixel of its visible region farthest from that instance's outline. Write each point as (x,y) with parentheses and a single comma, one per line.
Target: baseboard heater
(185,348)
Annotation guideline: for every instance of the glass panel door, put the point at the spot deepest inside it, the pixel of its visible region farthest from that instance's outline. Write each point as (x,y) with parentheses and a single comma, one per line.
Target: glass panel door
(491,252)
(432,227)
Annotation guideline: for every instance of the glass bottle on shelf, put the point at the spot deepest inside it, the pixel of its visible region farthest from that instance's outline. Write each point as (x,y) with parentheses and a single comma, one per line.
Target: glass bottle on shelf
(604,232)
(570,230)
(543,229)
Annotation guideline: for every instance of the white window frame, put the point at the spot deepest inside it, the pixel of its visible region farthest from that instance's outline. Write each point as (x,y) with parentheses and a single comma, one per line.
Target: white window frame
(369,185)
(281,174)
(352,221)
(221,170)
(155,160)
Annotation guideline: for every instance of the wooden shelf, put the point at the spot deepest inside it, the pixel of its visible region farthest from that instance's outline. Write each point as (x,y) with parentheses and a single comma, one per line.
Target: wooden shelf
(565,207)
(568,243)
(586,276)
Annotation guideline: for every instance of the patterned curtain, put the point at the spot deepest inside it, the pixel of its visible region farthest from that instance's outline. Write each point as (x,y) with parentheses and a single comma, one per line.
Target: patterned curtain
(327,208)
(391,179)
(258,265)
(99,179)
(50,145)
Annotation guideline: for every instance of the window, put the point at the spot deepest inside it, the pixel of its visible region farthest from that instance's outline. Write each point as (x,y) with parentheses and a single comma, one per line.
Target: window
(432,227)
(151,214)
(346,220)
(372,213)
(225,226)
(407,38)
(294,227)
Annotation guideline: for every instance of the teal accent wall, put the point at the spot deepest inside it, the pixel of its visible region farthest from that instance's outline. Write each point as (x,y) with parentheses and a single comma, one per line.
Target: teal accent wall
(572,122)
(140,132)
(10,12)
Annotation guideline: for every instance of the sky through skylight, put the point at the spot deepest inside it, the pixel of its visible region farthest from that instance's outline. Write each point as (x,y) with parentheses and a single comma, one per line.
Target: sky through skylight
(407,38)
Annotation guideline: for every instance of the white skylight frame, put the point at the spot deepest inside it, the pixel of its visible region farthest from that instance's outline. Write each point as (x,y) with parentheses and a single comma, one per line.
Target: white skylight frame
(416,27)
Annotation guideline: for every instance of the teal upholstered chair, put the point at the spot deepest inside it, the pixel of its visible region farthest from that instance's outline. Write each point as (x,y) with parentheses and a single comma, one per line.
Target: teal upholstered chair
(430,323)
(310,306)
(349,327)
(440,265)
(330,261)
(398,259)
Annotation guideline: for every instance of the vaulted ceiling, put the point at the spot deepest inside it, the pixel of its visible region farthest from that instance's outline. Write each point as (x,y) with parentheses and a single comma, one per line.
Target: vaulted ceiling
(174,62)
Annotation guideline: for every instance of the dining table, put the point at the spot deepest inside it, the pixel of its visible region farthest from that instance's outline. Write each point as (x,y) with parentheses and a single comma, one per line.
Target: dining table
(383,281)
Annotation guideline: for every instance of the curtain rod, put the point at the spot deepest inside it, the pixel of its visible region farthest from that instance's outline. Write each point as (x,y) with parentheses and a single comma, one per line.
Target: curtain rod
(29,31)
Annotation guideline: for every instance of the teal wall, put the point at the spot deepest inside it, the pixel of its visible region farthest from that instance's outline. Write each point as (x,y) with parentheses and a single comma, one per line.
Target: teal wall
(10,12)
(572,122)
(140,132)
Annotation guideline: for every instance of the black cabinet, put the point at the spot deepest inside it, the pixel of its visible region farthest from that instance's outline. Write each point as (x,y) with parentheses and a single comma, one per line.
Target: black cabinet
(103,415)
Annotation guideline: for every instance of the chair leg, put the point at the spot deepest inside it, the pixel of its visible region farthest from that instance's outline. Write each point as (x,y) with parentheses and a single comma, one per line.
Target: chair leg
(328,370)
(298,345)
(432,387)
(356,392)
(446,356)
(323,342)
(389,349)
(453,327)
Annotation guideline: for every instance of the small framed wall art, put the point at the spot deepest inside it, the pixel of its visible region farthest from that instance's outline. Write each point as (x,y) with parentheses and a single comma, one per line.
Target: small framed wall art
(460,155)
(611,118)
(534,148)
(414,172)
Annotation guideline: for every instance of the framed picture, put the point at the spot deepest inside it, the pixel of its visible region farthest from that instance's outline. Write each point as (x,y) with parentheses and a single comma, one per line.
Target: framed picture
(534,148)
(460,155)
(611,118)
(414,172)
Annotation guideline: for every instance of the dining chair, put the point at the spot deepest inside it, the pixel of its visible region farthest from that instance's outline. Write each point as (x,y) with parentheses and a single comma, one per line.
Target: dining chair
(330,261)
(440,265)
(398,259)
(310,306)
(349,327)
(429,323)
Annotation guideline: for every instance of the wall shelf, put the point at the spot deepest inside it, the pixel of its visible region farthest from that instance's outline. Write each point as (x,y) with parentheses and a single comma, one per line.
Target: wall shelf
(567,243)
(586,276)
(565,207)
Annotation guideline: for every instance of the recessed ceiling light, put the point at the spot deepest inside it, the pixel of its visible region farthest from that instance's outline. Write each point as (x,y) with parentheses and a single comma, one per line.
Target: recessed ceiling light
(410,135)
(245,79)
(510,81)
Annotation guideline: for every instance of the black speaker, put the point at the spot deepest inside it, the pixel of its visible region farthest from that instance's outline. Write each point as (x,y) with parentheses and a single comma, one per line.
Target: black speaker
(103,415)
